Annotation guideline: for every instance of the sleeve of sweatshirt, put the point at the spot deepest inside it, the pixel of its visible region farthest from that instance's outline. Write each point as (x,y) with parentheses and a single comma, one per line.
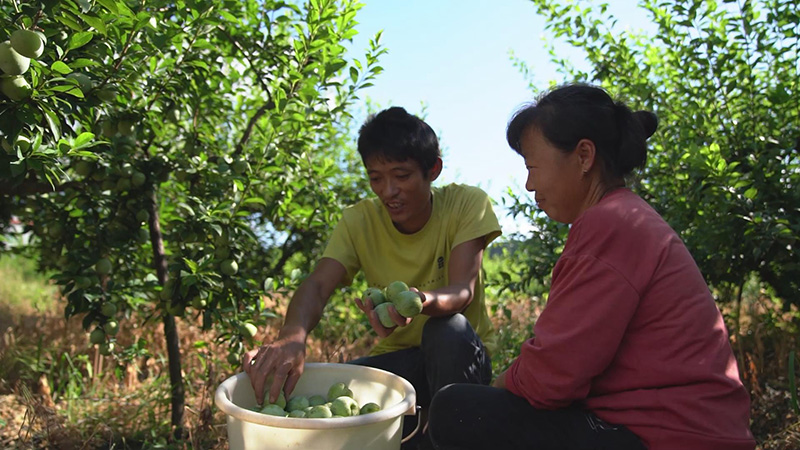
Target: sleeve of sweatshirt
(577,334)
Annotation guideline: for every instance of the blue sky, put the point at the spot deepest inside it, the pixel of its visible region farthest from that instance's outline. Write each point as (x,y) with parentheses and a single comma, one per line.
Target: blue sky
(450,60)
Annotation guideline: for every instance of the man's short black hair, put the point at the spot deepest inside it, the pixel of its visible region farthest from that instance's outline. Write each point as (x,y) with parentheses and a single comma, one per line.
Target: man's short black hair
(396,135)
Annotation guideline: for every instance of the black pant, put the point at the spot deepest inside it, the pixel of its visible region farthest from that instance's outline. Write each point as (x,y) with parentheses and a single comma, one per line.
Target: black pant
(451,352)
(465,417)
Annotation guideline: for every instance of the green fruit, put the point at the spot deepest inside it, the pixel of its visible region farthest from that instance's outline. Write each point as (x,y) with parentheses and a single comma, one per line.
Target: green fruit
(7,146)
(103,266)
(394,288)
(23,143)
(298,402)
(42,36)
(384,316)
(108,128)
(15,88)
(83,168)
(55,231)
(143,235)
(297,413)
(123,184)
(319,412)
(97,336)
(85,83)
(142,215)
(344,406)
(338,390)
(125,127)
(173,115)
(106,348)
(138,178)
(11,62)
(374,294)
(108,185)
(222,252)
(281,400)
(199,303)
(111,327)
(175,309)
(239,167)
(408,303)
(107,94)
(83,282)
(248,329)
(27,43)
(108,309)
(273,410)
(316,400)
(233,359)
(221,240)
(369,408)
(229,267)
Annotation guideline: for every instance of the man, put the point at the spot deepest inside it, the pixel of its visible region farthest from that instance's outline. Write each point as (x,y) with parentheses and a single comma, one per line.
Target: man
(430,238)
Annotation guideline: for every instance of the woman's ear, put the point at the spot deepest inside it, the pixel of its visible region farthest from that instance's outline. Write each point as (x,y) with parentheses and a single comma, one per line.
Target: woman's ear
(436,170)
(586,153)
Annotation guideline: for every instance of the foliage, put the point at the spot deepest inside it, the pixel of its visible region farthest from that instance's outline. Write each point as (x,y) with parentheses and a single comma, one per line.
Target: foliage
(171,155)
(723,78)
(22,284)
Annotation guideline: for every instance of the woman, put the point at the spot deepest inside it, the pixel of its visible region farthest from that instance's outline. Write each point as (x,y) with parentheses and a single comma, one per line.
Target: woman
(630,352)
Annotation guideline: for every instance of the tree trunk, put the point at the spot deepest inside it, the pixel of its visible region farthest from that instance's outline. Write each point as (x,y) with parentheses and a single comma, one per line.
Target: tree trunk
(170,330)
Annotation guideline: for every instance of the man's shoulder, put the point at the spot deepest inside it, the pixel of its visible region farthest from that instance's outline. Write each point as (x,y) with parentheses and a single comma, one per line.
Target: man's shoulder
(364,208)
(458,191)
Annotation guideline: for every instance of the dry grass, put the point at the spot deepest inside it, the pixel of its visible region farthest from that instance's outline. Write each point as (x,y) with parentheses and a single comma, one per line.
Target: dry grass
(99,402)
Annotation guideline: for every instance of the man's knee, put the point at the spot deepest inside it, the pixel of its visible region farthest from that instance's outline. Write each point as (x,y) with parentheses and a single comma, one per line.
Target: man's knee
(447,329)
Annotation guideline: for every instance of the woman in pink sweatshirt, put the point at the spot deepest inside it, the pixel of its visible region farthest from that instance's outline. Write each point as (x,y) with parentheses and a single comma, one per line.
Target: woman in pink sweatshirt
(630,352)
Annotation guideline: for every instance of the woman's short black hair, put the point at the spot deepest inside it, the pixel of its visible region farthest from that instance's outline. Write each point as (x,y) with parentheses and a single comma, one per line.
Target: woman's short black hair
(573,112)
(396,135)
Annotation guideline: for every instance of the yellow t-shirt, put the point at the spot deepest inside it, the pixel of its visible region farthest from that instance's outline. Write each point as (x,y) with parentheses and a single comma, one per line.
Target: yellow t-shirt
(366,239)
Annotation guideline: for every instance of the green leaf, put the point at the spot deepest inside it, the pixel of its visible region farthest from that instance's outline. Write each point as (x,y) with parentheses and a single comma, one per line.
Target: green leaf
(110,5)
(95,22)
(78,40)
(60,67)
(83,139)
(258,200)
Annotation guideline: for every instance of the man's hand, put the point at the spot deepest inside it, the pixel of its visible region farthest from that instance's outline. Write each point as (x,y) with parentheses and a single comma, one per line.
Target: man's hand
(275,366)
(369,310)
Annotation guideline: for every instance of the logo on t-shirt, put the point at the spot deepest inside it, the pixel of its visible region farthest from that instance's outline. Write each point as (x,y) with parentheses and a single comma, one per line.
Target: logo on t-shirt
(440,262)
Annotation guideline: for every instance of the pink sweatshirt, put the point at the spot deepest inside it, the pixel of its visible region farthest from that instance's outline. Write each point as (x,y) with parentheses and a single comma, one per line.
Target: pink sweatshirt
(632,332)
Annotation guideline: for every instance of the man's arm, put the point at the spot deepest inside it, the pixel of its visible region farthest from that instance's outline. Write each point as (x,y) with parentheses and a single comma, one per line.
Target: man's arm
(463,270)
(283,359)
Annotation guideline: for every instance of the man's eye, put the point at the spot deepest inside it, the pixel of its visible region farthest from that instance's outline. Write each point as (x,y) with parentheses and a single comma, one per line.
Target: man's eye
(403,177)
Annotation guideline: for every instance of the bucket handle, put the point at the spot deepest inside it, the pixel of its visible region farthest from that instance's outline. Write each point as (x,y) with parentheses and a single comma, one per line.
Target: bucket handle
(416,429)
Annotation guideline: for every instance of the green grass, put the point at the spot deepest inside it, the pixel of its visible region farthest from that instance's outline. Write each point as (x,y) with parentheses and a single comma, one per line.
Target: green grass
(23,286)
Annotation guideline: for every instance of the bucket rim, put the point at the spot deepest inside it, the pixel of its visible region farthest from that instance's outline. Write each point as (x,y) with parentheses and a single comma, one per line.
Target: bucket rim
(407,406)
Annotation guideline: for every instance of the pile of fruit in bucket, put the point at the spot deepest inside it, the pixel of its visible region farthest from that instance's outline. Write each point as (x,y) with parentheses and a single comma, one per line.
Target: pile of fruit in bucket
(339,402)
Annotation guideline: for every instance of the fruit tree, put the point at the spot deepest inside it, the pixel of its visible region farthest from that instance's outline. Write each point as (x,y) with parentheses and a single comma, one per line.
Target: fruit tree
(165,157)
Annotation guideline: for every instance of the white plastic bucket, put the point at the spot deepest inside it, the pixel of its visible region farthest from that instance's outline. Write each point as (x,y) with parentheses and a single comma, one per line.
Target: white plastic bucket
(381,430)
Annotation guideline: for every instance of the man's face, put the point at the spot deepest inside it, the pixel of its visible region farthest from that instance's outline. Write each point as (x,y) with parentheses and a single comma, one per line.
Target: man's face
(404,191)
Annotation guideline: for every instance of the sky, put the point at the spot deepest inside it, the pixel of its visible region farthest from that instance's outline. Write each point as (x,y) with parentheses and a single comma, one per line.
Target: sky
(450,61)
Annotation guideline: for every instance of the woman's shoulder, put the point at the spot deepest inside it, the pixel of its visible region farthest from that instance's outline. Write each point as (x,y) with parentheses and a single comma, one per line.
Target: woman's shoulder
(621,214)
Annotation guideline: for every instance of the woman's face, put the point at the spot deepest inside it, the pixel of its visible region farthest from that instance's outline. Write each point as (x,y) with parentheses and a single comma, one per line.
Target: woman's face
(556,177)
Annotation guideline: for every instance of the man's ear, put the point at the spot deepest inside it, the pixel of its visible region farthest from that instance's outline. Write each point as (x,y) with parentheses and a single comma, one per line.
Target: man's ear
(436,170)
(586,153)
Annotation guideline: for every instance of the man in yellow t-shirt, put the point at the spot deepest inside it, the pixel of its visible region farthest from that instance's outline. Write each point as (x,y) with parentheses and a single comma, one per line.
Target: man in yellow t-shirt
(430,238)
